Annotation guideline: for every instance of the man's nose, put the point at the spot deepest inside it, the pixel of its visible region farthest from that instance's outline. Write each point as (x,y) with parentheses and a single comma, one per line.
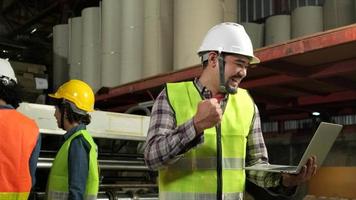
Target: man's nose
(242,72)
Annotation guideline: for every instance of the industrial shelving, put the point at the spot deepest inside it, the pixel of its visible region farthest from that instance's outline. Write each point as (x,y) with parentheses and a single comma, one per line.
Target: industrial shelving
(312,73)
(294,77)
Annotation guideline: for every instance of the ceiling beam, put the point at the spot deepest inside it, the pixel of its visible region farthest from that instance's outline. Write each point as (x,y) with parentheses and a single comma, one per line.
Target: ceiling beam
(306,91)
(302,103)
(269,99)
(309,43)
(290,116)
(150,82)
(33,20)
(4,10)
(287,68)
(340,82)
(328,70)
(334,97)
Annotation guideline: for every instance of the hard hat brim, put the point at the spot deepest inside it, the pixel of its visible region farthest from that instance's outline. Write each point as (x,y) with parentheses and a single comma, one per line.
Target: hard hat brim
(254,60)
(54,96)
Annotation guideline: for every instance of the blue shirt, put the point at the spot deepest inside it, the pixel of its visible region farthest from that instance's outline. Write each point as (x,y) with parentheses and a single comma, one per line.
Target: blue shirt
(78,163)
(35,153)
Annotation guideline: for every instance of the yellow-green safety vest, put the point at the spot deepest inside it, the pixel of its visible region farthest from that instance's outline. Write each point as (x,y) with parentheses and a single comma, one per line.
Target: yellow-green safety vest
(194,177)
(57,188)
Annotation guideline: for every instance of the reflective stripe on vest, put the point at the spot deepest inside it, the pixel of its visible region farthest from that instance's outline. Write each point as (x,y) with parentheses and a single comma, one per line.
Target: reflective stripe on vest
(14,196)
(19,135)
(208,163)
(58,178)
(194,175)
(199,196)
(57,195)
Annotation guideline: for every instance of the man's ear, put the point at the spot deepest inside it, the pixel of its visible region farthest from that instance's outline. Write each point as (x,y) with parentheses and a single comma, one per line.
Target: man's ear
(213,59)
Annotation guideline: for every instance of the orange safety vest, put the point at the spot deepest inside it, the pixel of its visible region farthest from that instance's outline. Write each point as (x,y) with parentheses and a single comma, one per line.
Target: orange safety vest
(19,136)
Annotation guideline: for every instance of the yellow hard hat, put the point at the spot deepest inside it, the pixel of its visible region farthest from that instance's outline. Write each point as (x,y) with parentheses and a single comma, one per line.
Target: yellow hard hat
(78,92)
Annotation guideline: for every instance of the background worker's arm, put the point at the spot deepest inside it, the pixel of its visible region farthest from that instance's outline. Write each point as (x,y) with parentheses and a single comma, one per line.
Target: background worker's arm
(34,159)
(78,168)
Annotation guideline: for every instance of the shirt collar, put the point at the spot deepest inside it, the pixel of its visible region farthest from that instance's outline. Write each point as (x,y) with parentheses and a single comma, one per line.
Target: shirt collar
(74,130)
(205,91)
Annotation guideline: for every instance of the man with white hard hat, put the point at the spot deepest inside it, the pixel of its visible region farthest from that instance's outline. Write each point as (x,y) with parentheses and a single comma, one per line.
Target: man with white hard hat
(20,140)
(203,132)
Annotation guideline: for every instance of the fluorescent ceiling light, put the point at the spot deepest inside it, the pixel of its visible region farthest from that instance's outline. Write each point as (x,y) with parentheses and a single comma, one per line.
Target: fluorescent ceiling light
(315,113)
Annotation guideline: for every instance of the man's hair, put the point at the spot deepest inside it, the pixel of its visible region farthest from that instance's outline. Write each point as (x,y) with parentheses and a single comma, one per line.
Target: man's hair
(205,64)
(10,93)
(204,57)
(74,116)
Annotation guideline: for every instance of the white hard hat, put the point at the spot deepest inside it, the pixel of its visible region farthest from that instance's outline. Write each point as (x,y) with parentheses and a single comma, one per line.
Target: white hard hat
(6,70)
(228,37)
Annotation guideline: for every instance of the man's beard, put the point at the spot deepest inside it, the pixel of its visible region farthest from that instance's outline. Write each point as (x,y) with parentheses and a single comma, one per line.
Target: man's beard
(229,89)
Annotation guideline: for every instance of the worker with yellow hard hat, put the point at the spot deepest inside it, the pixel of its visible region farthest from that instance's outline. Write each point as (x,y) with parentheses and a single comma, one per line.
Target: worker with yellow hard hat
(74,173)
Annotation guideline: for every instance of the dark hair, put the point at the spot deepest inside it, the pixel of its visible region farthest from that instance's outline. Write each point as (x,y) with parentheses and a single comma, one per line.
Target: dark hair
(205,63)
(10,93)
(75,117)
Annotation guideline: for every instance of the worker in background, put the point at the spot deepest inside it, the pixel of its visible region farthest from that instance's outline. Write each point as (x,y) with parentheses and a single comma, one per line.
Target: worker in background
(20,140)
(74,173)
(203,132)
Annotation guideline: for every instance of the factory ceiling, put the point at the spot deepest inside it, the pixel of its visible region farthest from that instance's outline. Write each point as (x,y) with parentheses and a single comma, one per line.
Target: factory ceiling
(26,26)
(312,73)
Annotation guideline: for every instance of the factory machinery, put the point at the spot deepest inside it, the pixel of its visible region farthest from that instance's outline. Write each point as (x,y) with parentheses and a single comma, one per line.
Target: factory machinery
(120,139)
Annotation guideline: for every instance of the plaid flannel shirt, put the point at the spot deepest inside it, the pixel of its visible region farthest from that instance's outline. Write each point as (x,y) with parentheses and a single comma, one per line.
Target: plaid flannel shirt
(167,142)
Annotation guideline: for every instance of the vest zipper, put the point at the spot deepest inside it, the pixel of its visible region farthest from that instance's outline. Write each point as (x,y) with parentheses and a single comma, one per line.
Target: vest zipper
(219,177)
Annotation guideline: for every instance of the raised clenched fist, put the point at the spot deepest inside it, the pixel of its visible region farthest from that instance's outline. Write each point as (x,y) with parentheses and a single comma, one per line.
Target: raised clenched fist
(209,114)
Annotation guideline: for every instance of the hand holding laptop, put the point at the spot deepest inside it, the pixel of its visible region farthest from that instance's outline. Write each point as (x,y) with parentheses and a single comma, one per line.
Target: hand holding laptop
(305,174)
(319,146)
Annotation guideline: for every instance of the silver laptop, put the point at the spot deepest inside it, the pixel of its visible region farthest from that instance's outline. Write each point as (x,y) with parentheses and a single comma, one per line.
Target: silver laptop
(319,146)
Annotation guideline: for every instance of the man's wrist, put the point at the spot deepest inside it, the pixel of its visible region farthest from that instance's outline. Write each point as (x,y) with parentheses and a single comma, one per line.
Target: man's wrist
(286,189)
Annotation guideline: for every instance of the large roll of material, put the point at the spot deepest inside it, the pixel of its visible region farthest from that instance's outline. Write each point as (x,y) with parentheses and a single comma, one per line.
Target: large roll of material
(278,29)
(256,33)
(110,37)
(91,47)
(158,37)
(338,13)
(231,10)
(131,40)
(60,55)
(191,23)
(307,20)
(75,44)
(69,39)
